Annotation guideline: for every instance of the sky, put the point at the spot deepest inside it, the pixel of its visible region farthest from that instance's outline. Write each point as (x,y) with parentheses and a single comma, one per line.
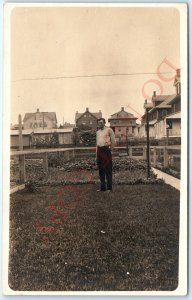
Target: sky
(68,58)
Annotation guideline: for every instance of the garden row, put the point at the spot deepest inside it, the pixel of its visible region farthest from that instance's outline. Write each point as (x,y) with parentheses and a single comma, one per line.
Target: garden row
(83,171)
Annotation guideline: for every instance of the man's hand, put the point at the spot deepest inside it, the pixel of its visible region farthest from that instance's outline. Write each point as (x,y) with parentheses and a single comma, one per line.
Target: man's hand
(112,148)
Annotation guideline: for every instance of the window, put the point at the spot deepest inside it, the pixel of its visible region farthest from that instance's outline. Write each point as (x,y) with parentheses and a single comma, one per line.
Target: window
(84,116)
(91,122)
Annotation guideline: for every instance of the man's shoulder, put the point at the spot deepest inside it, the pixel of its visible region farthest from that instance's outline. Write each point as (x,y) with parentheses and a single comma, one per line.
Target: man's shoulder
(109,129)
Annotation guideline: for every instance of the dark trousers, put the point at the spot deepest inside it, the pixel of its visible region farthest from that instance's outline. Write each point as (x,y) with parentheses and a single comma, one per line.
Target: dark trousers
(104,162)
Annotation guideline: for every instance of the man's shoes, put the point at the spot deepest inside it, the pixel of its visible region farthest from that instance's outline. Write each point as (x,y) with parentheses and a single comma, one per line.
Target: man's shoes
(108,191)
(100,190)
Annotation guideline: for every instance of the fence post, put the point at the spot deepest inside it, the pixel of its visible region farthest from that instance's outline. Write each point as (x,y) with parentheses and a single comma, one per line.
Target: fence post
(130,152)
(22,168)
(165,157)
(66,155)
(45,162)
(20,134)
(73,153)
(154,157)
(144,153)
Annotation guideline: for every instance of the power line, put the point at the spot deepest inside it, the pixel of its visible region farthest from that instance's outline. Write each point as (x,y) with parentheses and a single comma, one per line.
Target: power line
(89,76)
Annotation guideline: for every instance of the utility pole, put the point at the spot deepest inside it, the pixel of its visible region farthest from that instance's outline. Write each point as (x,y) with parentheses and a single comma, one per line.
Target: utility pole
(20,134)
(127,139)
(43,120)
(148,146)
(21,157)
(167,139)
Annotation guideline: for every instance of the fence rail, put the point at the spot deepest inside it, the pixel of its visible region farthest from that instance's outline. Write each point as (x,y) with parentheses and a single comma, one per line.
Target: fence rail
(159,155)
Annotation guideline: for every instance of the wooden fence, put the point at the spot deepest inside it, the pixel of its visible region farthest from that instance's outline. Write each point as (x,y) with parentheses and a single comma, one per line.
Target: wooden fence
(158,155)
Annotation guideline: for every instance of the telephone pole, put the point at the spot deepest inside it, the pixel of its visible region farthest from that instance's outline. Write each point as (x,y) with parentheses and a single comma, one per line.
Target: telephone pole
(148,146)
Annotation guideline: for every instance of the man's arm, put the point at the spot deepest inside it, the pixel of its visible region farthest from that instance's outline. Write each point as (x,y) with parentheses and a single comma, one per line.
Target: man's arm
(112,138)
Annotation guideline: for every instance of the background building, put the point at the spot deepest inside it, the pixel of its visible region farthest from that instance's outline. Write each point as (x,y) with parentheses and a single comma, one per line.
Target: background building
(122,122)
(163,108)
(87,120)
(40,120)
(46,138)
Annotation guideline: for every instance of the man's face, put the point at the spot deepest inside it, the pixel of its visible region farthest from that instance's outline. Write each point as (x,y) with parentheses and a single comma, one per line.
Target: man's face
(101,124)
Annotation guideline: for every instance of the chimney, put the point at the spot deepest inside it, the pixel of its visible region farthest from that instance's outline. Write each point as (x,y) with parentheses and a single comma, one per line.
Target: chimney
(76,111)
(87,108)
(122,108)
(178,72)
(154,93)
(100,111)
(37,109)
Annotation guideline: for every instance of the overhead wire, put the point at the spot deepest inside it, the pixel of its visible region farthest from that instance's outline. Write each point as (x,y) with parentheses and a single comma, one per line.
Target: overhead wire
(89,76)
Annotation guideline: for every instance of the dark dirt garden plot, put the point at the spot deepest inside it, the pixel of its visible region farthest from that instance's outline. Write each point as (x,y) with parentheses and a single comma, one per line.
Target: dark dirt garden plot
(125,241)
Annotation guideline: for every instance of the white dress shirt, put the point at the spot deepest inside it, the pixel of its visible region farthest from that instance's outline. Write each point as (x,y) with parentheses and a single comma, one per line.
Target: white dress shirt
(105,137)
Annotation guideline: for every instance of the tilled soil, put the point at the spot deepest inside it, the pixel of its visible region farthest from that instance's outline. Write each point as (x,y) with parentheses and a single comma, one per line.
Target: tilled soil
(71,238)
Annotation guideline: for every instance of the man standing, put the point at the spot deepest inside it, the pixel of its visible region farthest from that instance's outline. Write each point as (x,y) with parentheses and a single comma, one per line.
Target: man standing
(105,141)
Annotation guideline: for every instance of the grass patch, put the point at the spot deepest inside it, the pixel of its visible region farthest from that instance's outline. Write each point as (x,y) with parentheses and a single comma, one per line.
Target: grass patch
(124,241)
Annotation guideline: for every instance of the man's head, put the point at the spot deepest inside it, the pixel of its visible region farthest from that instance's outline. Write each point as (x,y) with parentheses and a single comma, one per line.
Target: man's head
(101,123)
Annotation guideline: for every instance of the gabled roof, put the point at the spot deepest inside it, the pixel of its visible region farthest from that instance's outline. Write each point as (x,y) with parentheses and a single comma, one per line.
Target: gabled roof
(165,104)
(115,115)
(167,101)
(174,116)
(159,97)
(50,115)
(97,115)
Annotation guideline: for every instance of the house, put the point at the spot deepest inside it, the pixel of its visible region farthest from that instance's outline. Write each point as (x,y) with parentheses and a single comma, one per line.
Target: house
(67,125)
(40,120)
(26,137)
(44,138)
(87,120)
(160,110)
(15,126)
(123,123)
(169,109)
